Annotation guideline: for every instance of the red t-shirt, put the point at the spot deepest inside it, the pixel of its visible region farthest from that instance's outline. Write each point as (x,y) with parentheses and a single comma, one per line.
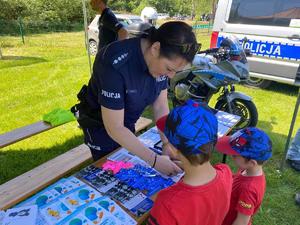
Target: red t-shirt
(194,205)
(246,197)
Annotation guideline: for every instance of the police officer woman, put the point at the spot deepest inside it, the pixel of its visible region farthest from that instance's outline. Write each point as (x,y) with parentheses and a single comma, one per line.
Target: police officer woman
(127,76)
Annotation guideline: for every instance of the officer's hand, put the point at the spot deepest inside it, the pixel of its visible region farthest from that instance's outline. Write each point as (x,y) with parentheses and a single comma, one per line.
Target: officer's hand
(166,166)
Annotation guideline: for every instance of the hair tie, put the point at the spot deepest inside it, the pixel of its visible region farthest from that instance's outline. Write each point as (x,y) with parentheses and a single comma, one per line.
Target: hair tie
(151,33)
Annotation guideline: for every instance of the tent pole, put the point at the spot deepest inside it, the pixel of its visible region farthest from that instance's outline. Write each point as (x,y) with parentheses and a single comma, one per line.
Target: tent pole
(86,35)
(287,144)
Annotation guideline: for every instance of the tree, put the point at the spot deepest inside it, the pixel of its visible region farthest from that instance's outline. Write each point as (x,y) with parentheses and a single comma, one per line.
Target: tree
(70,11)
(54,10)
(140,6)
(12,9)
(204,6)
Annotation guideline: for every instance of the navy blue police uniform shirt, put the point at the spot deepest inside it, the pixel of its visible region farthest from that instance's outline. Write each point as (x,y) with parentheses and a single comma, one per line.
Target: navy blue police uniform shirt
(121,80)
(108,28)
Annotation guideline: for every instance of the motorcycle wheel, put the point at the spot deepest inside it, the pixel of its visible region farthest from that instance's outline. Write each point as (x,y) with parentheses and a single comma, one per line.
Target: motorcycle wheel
(245,109)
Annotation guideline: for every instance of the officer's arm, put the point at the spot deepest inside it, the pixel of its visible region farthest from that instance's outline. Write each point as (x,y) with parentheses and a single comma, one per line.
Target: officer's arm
(114,124)
(112,23)
(113,121)
(122,34)
(160,109)
(160,106)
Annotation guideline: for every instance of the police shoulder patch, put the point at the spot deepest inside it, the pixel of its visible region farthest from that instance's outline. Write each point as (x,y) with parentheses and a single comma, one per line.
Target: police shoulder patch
(120,58)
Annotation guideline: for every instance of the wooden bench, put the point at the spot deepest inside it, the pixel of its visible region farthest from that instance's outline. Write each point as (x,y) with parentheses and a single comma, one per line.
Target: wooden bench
(23,133)
(23,186)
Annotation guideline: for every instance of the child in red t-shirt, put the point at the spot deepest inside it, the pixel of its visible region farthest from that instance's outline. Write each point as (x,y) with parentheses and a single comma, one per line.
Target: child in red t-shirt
(202,197)
(250,148)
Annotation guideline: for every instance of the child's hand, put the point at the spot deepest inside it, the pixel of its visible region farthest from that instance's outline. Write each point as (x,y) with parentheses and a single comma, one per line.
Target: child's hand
(166,166)
(169,151)
(178,163)
(166,149)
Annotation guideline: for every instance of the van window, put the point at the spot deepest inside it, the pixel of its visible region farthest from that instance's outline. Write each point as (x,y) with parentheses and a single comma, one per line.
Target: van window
(264,12)
(123,22)
(136,20)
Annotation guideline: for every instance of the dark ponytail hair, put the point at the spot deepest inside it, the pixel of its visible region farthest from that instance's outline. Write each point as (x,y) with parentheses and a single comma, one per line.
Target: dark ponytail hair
(176,39)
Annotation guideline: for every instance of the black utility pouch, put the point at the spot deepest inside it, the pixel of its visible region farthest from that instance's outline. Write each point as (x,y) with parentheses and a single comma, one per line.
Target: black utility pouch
(82,93)
(86,116)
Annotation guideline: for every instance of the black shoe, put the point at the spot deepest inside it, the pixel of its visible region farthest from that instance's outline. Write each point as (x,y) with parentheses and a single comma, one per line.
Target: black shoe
(297,199)
(295,164)
(288,161)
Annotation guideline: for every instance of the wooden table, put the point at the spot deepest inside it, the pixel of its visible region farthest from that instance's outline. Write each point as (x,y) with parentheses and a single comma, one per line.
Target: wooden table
(140,219)
(29,183)
(18,189)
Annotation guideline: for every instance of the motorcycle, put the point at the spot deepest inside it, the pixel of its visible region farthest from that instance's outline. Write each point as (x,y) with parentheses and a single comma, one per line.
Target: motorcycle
(213,71)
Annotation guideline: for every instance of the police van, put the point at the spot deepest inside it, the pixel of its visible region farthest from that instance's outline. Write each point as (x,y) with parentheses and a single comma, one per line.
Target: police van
(272,29)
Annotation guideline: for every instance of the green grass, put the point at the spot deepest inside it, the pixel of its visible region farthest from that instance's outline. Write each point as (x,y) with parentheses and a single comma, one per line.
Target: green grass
(48,71)
(45,73)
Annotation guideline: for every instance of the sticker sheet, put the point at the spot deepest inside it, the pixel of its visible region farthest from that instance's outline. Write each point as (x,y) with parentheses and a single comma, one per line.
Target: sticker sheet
(55,212)
(52,192)
(91,214)
(112,207)
(20,216)
(79,197)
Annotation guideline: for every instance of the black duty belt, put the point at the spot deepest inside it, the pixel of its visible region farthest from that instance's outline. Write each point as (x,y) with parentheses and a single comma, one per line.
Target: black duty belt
(86,116)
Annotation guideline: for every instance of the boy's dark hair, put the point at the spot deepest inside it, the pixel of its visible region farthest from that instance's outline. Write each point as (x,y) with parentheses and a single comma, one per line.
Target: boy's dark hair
(204,156)
(176,39)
